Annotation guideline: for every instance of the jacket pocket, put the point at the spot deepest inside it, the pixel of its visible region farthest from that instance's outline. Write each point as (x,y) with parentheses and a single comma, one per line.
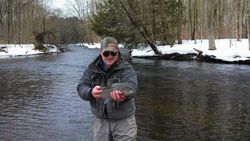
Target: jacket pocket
(95,80)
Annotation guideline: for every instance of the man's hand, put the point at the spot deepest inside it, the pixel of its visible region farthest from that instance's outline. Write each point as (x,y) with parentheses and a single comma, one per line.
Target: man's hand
(96,92)
(117,96)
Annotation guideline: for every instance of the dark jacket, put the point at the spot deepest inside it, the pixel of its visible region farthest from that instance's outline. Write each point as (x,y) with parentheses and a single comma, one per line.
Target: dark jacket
(95,74)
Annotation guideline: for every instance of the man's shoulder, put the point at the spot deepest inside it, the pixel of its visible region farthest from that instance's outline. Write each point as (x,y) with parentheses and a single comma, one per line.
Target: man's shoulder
(127,66)
(124,64)
(94,64)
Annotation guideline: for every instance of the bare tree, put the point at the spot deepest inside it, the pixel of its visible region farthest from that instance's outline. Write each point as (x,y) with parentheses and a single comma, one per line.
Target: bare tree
(3,8)
(84,10)
(211,23)
(193,17)
(179,24)
(238,19)
(9,18)
(248,28)
(19,12)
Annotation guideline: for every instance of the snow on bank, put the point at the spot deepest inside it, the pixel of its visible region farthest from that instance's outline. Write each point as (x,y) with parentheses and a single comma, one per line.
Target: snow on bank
(13,50)
(94,45)
(226,49)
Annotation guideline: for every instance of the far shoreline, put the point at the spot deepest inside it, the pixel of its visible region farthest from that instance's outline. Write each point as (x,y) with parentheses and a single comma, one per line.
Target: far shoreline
(228,51)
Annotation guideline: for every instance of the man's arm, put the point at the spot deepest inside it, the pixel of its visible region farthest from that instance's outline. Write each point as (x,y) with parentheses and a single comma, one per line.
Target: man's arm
(129,76)
(84,86)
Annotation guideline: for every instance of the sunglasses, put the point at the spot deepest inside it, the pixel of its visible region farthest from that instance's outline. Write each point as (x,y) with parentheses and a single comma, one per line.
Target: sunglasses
(107,53)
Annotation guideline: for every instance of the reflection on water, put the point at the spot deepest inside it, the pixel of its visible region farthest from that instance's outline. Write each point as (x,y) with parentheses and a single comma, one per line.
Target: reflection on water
(39,100)
(193,101)
(176,100)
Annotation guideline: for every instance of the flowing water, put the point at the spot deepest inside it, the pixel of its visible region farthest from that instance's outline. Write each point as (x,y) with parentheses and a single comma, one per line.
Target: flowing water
(175,101)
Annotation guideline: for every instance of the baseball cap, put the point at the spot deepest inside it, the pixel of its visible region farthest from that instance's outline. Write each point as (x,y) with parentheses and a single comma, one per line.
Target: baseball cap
(109,44)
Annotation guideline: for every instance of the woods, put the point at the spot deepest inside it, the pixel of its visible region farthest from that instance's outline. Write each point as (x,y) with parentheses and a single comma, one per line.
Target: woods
(19,18)
(165,22)
(22,20)
(132,22)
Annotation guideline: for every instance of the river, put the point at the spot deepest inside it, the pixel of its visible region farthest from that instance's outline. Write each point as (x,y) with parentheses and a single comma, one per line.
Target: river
(176,101)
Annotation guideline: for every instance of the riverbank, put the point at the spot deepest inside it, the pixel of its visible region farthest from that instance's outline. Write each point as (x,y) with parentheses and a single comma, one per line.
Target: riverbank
(227,51)
(14,50)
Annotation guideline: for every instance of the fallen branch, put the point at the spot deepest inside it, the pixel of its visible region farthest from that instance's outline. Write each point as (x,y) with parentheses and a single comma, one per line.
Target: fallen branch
(199,52)
(4,49)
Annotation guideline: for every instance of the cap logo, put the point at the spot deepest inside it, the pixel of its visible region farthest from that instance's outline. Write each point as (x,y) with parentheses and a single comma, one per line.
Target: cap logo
(111,45)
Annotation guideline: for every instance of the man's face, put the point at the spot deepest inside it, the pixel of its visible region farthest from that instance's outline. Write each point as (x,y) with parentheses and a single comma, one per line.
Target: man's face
(109,54)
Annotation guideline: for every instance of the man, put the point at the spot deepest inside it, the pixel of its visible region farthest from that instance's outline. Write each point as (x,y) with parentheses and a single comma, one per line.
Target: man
(114,117)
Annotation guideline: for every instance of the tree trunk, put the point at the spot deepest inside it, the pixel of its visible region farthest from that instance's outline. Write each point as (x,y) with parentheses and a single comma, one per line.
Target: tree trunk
(179,23)
(195,20)
(211,22)
(2,13)
(141,28)
(44,22)
(238,20)
(153,19)
(248,28)
(9,19)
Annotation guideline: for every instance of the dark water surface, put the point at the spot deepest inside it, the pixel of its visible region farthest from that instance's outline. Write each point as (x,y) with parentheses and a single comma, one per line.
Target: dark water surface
(187,101)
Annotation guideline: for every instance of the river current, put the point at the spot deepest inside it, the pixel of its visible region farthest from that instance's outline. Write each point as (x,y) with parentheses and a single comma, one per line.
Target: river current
(189,101)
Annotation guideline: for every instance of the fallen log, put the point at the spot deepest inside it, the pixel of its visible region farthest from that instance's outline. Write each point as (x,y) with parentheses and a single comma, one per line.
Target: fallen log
(193,56)
(4,49)
(171,56)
